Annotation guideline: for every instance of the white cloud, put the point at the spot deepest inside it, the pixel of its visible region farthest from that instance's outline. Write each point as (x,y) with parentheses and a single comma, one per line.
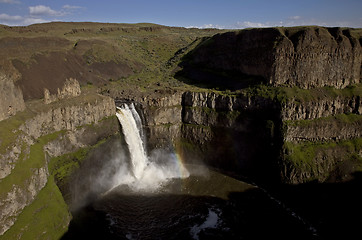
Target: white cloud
(42,10)
(10,1)
(37,14)
(295,17)
(247,24)
(208,26)
(71,7)
(5,17)
(31,20)
(19,20)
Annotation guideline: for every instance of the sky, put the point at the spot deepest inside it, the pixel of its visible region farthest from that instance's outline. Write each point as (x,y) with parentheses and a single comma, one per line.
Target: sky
(229,14)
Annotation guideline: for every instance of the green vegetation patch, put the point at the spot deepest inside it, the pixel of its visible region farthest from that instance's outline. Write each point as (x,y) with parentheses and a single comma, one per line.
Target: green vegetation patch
(26,165)
(304,153)
(63,166)
(9,129)
(319,158)
(46,218)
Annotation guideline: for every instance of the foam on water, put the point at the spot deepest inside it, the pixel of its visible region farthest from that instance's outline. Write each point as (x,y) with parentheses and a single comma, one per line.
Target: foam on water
(212,221)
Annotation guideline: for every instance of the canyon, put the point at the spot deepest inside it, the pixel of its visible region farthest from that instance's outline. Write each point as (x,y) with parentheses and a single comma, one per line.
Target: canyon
(275,106)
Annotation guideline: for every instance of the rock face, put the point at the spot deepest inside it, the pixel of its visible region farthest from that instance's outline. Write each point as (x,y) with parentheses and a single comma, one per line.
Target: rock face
(316,57)
(258,136)
(307,131)
(323,107)
(55,129)
(69,117)
(70,89)
(306,57)
(325,129)
(11,98)
(215,129)
(261,137)
(19,197)
(54,118)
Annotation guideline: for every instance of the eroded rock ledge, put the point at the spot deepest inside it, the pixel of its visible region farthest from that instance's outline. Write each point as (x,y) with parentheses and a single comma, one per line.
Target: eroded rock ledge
(49,131)
(306,57)
(246,129)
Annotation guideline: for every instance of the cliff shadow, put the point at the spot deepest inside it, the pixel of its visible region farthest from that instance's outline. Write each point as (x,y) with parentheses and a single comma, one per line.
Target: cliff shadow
(216,70)
(334,209)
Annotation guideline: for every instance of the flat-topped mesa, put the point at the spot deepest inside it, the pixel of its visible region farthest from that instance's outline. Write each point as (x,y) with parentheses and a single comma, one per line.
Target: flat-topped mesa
(71,88)
(306,57)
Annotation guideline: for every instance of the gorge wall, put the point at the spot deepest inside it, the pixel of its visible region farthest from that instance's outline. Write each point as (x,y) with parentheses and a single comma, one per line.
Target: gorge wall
(260,138)
(34,138)
(306,57)
(303,123)
(274,105)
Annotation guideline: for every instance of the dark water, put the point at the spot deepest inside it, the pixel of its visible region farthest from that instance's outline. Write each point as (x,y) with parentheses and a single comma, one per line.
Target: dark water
(207,205)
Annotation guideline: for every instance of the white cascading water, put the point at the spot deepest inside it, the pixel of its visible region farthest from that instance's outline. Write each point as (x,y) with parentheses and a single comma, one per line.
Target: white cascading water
(147,173)
(133,139)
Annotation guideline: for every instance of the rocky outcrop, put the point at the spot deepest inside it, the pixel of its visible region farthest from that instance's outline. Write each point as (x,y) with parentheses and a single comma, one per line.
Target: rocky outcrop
(316,57)
(322,107)
(245,129)
(19,197)
(54,129)
(71,88)
(11,98)
(321,161)
(56,117)
(306,57)
(323,129)
(226,102)
(80,111)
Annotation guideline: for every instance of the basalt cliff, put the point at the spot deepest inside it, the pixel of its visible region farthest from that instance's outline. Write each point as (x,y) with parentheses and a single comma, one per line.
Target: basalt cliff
(275,105)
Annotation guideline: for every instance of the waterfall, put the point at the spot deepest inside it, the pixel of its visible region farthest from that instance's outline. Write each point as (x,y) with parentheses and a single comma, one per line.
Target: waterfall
(146,172)
(133,133)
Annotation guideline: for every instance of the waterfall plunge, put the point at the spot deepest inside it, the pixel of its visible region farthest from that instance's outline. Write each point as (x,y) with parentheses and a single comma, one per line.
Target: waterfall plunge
(147,173)
(132,134)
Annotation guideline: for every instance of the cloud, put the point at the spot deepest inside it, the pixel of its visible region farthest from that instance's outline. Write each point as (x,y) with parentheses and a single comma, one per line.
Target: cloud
(208,26)
(295,17)
(247,24)
(5,17)
(31,20)
(10,1)
(71,7)
(37,14)
(19,20)
(42,10)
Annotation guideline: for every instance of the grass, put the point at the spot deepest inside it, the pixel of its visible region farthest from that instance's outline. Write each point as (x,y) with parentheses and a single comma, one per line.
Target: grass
(9,129)
(302,155)
(26,164)
(46,218)
(61,168)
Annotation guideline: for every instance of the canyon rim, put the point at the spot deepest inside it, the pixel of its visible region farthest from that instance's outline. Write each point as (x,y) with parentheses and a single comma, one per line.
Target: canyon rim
(279,108)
